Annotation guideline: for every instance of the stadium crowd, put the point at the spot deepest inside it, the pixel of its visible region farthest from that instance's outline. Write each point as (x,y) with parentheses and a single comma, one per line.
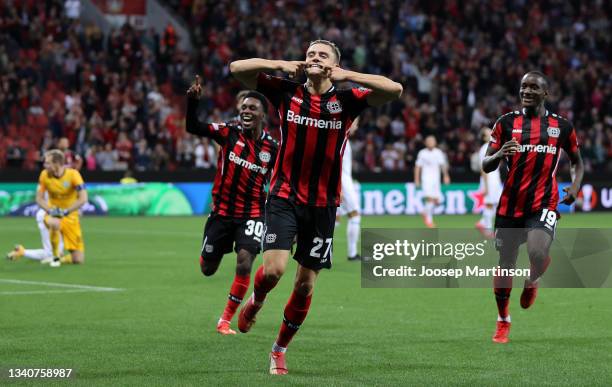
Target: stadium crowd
(120,98)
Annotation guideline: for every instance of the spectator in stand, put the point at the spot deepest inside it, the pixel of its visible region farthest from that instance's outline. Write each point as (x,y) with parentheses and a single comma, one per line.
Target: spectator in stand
(370,158)
(159,158)
(204,154)
(107,158)
(185,152)
(91,164)
(389,158)
(72,159)
(124,148)
(142,156)
(15,155)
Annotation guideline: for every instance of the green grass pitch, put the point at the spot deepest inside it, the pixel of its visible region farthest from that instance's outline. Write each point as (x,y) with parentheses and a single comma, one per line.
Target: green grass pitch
(160,330)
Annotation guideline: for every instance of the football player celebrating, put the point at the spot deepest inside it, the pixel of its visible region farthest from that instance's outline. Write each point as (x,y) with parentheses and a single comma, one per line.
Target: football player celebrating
(305,185)
(246,157)
(529,141)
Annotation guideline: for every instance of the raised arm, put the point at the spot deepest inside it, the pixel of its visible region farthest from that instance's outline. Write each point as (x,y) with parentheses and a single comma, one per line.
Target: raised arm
(246,70)
(383,89)
(192,125)
(217,132)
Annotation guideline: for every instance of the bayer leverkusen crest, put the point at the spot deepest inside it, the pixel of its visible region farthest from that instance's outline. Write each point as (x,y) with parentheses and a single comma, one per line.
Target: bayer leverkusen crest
(264,156)
(553,132)
(334,107)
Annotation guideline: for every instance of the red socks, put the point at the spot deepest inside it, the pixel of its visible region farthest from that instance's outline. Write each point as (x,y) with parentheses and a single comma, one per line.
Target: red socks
(502,286)
(538,268)
(237,292)
(295,314)
(263,285)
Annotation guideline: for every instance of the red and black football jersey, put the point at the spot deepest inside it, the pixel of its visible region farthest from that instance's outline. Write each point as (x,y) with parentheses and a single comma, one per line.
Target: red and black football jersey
(531,184)
(243,167)
(314,130)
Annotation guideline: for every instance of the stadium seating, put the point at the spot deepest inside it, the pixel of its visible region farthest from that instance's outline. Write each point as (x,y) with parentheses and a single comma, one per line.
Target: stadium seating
(458,66)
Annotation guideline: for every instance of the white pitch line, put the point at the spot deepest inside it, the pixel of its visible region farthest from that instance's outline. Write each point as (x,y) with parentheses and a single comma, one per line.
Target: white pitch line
(120,231)
(26,292)
(81,288)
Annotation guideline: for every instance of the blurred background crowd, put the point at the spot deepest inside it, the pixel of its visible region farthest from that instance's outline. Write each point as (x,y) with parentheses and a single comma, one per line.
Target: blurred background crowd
(119,99)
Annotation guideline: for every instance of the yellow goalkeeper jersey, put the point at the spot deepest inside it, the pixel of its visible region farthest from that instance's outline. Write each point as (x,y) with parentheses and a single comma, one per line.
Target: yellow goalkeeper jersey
(62,191)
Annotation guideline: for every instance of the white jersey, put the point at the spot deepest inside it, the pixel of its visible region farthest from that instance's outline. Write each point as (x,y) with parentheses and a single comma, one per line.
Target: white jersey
(347,160)
(493,184)
(350,199)
(431,162)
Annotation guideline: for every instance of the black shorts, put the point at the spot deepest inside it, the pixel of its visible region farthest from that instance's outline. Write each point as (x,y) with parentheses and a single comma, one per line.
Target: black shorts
(313,227)
(513,231)
(221,233)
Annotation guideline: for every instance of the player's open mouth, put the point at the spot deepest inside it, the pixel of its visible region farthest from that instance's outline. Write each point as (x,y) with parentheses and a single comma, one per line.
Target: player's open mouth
(247,119)
(314,65)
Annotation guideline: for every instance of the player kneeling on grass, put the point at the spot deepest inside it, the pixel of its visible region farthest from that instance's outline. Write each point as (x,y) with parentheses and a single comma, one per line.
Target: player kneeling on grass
(530,141)
(66,193)
(246,158)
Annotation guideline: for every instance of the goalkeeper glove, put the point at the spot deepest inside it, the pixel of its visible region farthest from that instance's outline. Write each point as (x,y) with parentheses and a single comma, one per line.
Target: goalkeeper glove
(58,212)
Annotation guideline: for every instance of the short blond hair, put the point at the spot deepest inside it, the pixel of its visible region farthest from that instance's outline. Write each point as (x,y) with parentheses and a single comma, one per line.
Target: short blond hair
(329,43)
(56,156)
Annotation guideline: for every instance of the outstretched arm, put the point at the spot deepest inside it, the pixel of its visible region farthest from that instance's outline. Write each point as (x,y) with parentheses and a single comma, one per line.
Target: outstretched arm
(383,89)
(246,70)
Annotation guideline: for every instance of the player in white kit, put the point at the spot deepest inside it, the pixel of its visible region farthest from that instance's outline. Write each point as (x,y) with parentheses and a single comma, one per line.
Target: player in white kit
(430,165)
(350,199)
(491,187)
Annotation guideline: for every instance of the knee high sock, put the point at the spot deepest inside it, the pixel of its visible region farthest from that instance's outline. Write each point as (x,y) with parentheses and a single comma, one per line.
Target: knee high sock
(353,229)
(236,294)
(296,311)
(502,286)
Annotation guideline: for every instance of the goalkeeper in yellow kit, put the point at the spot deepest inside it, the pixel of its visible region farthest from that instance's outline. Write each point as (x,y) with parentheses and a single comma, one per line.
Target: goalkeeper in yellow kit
(65,189)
